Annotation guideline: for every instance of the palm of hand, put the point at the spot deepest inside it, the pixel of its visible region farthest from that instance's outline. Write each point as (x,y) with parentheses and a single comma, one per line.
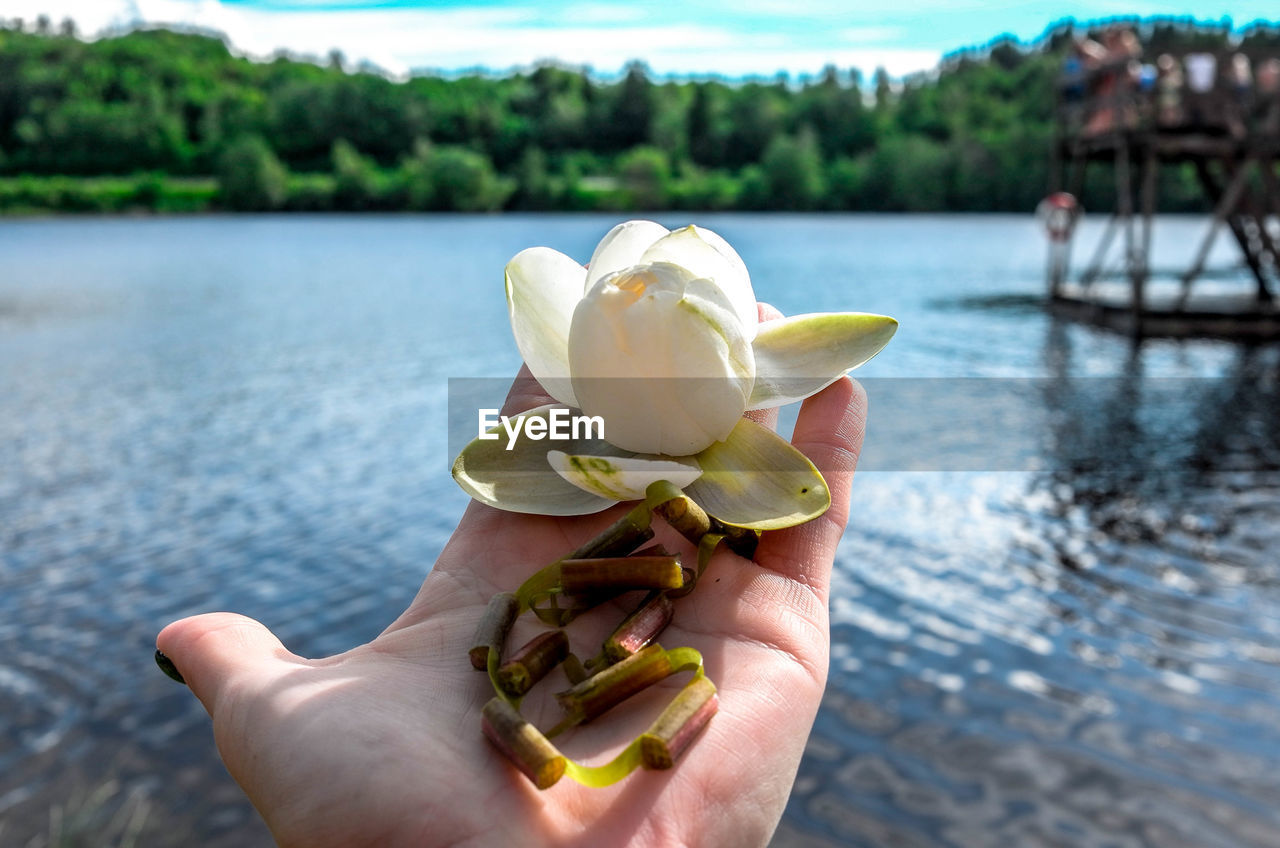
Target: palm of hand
(381,745)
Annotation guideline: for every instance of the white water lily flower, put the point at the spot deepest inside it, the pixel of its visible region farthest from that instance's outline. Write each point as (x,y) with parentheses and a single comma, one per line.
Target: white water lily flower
(658,337)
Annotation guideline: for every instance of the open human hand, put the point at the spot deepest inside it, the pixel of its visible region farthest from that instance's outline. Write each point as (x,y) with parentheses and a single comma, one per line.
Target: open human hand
(381,745)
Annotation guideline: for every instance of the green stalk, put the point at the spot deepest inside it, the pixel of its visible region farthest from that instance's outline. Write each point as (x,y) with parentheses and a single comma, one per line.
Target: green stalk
(522,743)
(579,576)
(620,538)
(601,692)
(641,627)
(675,507)
(491,633)
(531,662)
(679,723)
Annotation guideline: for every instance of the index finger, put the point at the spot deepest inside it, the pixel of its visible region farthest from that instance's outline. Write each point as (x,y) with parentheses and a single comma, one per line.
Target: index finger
(829,431)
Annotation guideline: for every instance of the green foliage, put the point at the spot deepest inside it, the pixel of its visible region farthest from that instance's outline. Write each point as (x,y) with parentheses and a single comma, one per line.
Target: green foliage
(31,193)
(174,121)
(452,178)
(250,176)
(645,175)
(793,172)
(356,179)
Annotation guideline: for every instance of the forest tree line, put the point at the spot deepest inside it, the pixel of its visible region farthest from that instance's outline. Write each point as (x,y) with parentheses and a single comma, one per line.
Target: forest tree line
(174,121)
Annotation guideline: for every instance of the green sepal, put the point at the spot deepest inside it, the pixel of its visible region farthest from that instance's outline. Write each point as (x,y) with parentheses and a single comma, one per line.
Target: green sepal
(800,356)
(757,480)
(521,479)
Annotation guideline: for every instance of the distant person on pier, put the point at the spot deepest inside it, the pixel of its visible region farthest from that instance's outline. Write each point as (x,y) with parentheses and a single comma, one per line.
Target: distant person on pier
(1202,76)
(1169,83)
(1115,75)
(1267,100)
(1072,85)
(1240,80)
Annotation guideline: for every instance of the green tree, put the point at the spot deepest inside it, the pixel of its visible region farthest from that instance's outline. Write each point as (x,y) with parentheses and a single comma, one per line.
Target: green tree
(355,178)
(466,181)
(793,171)
(250,177)
(453,179)
(630,116)
(534,189)
(646,176)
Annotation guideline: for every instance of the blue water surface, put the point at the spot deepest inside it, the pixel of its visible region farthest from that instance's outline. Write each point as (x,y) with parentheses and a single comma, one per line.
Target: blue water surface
(1073,641)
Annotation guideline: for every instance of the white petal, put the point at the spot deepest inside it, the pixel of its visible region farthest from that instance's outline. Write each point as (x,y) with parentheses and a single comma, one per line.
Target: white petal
(519,480)
(708,255)
(757,479)
(543,288)
(621,248)
(621,478)
(799,356)
(661,358)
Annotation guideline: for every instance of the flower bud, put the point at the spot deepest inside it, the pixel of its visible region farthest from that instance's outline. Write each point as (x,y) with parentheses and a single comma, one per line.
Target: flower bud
(662,357)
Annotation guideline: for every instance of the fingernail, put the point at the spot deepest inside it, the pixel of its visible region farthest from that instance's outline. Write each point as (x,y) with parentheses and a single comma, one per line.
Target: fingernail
(167,666)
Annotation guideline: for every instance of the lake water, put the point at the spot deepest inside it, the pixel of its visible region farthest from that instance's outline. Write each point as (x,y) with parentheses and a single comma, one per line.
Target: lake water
(1056,613)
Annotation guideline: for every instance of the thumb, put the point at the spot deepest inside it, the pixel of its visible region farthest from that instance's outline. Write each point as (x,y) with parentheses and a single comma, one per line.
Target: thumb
(215,651)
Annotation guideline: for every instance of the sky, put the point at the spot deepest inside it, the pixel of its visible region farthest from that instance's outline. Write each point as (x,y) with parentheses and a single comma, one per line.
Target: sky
(731,38)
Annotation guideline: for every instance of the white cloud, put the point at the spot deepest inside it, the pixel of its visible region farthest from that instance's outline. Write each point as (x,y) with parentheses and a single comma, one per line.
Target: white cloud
(401,39)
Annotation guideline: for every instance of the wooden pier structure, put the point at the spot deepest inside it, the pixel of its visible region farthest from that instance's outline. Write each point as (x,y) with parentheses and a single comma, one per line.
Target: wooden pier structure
(1135,128)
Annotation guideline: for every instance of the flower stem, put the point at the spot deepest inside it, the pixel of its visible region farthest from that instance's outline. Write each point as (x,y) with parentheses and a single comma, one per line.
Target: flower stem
(620,538)
(601,692)
(573,669)
(492,631)
(641,627)
(678,510)
(592,575)
(531,662)
(679,723)
(522,743)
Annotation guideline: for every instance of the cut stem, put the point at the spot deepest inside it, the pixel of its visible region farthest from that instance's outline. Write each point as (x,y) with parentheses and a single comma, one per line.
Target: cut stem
(531,663)
(573,670)
(620,538)
(491,634)
(685,516)
(679,723)
(639,628)
(522,743)
(579,576)
(601,692)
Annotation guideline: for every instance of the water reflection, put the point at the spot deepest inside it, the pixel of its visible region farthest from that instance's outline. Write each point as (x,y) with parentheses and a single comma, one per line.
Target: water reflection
(1100,665)
(1061,628)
